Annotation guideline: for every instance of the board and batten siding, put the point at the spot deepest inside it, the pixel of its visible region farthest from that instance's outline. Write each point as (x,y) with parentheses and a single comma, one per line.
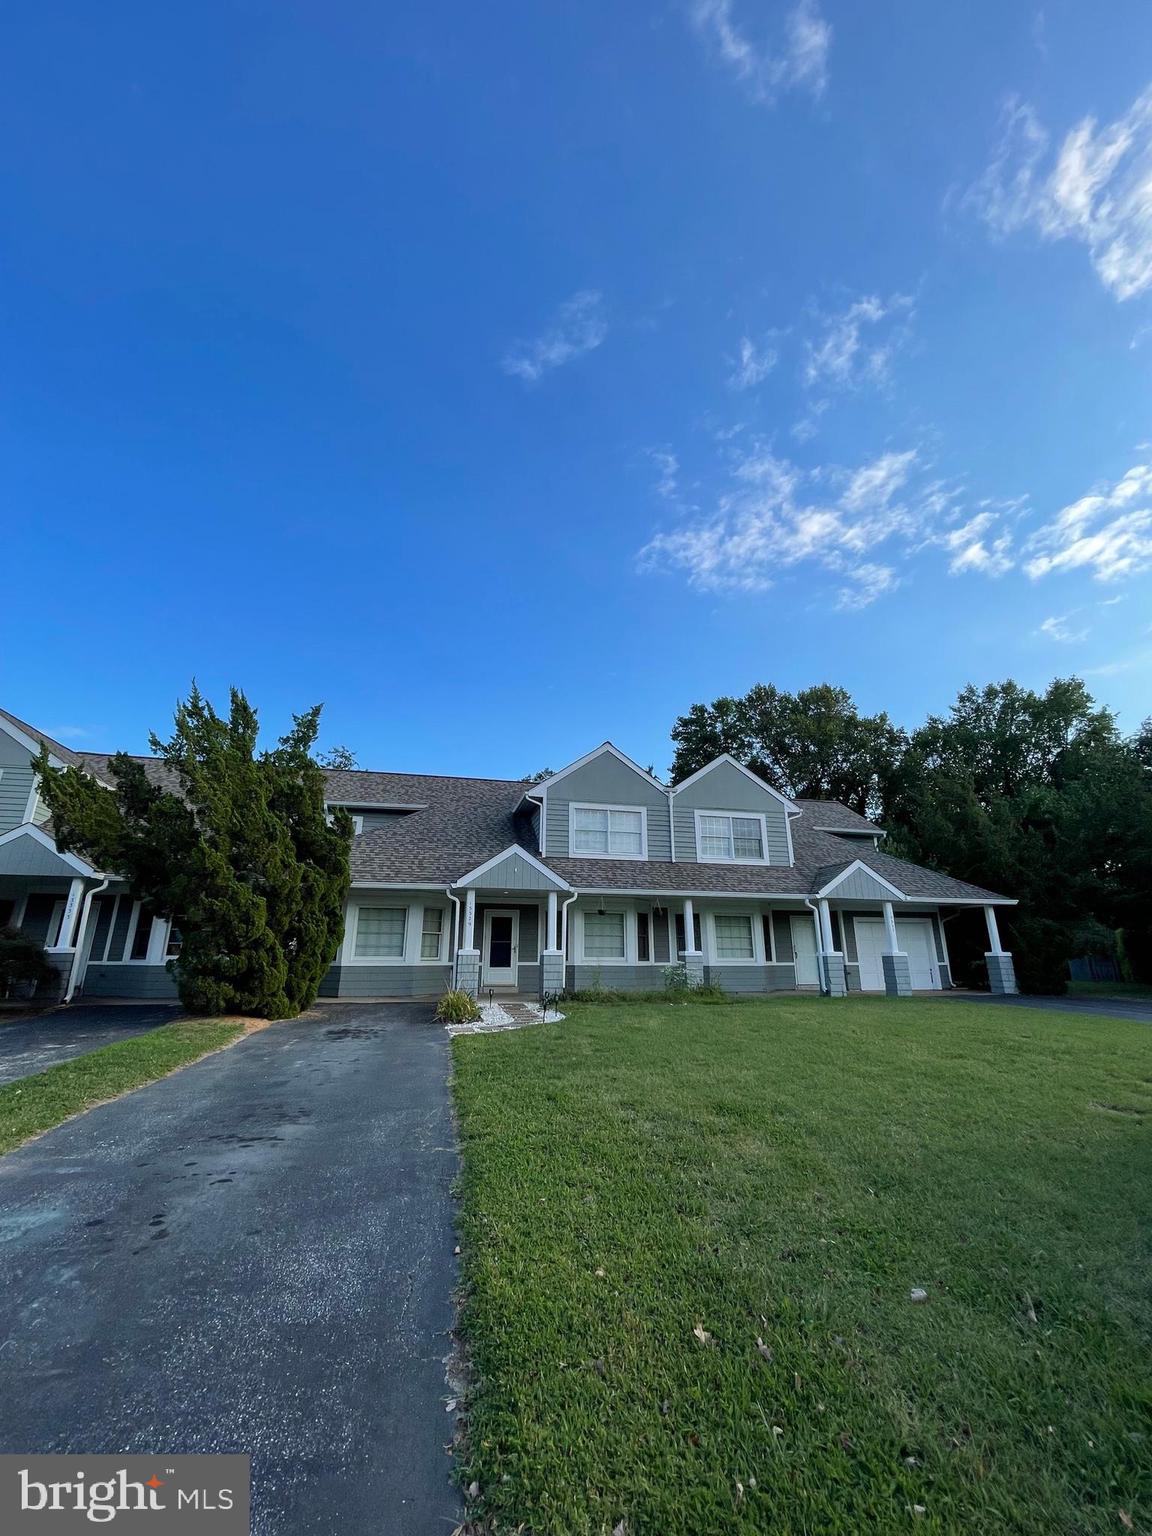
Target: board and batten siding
(725,788)
(608,781)
(514,873)
(860,886)
(25,856)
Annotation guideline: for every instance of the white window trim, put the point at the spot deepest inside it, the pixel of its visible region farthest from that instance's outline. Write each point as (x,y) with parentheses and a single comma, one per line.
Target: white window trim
(586,805)
(157,939)
(438,958)
(757,927)
(744,816)
(629,955)
(350,957)
(413,930)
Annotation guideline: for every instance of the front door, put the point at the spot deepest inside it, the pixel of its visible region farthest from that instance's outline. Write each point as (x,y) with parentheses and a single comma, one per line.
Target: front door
(804,952)
(501,948)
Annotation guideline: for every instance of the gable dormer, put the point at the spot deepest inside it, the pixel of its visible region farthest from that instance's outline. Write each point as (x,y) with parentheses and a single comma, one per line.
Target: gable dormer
(604,806)
(725,814)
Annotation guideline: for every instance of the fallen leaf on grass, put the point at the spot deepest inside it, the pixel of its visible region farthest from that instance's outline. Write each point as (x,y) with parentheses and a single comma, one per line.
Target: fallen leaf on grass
(1125,1519)
(473,1490)
(1029,1309)
(847,1443)
(620,1528)
(739,1491)
(764,1350)
(702,1334)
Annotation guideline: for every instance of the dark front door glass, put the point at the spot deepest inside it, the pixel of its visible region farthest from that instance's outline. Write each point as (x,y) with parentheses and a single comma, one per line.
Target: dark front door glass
(500,943)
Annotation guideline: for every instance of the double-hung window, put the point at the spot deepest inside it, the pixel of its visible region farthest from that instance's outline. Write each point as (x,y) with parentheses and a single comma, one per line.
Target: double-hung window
(734,936)
(432,933)
(604,936)
(729,837)
(607,831)
(380,933)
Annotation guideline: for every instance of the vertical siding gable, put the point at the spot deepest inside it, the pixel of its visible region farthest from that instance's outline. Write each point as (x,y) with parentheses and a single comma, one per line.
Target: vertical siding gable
(860,886)
(608,781)
(725,788)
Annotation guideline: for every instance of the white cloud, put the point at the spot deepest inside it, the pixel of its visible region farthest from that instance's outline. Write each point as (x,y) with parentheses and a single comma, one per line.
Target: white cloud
(850,351)
(872,581)
(579,327)
(668,472)
(977,546)
(70,733)
(800,62)
(1096,188)
(1058,628)
(1107,533)
(775,516)
(753,365)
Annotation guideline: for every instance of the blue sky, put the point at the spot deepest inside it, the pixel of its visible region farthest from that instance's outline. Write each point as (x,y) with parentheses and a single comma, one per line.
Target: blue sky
(513,376)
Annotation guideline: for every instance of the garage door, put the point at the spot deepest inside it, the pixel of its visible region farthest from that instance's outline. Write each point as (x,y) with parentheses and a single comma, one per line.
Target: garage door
(914,935)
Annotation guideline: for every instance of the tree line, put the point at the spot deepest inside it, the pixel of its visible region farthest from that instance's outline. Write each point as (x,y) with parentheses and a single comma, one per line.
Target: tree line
(1036,795)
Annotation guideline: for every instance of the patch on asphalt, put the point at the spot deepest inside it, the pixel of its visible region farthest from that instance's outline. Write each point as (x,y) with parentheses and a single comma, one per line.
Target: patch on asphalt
(353,1032)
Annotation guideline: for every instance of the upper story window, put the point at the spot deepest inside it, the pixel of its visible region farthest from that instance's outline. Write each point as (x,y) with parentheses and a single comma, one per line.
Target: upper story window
(609,832)
(721,835)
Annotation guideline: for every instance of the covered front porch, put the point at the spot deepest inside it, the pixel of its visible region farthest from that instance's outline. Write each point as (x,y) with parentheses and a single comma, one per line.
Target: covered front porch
(46,895)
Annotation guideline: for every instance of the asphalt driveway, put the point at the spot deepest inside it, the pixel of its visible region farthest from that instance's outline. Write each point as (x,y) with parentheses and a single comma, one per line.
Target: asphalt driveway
(30,1045)
(1139,1009)
(253,1255)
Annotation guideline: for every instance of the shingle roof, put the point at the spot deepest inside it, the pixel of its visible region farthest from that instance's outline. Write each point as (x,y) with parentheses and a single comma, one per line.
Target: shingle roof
(462,822)
(830,813)
(65,754)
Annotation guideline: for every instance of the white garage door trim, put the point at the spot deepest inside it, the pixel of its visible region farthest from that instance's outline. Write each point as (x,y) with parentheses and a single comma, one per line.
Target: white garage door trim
(914,935)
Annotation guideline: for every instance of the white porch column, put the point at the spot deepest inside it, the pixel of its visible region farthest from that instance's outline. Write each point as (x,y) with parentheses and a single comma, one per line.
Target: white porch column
(689,928)
(691,958)
(993,931)
(68,919)
(467,956)
(890,929)
(551,959)
(834,972)
(1001,970)
(826,928)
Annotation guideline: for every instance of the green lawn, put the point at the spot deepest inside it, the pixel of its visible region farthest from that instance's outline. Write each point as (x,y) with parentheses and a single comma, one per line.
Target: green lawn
(779,1177)
(35,1104)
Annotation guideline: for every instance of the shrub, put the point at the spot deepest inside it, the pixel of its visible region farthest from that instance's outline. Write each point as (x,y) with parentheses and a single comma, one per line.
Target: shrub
(458,1007)
(22,960)
(670,995)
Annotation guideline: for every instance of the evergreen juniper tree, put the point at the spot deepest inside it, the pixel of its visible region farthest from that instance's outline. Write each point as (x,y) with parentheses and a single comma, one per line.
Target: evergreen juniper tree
(240,853)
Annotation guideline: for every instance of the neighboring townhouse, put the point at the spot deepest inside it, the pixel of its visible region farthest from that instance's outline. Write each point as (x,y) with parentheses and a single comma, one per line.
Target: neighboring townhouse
(599,875)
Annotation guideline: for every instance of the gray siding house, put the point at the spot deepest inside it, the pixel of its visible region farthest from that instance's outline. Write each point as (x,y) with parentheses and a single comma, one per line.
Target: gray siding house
(598,876)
